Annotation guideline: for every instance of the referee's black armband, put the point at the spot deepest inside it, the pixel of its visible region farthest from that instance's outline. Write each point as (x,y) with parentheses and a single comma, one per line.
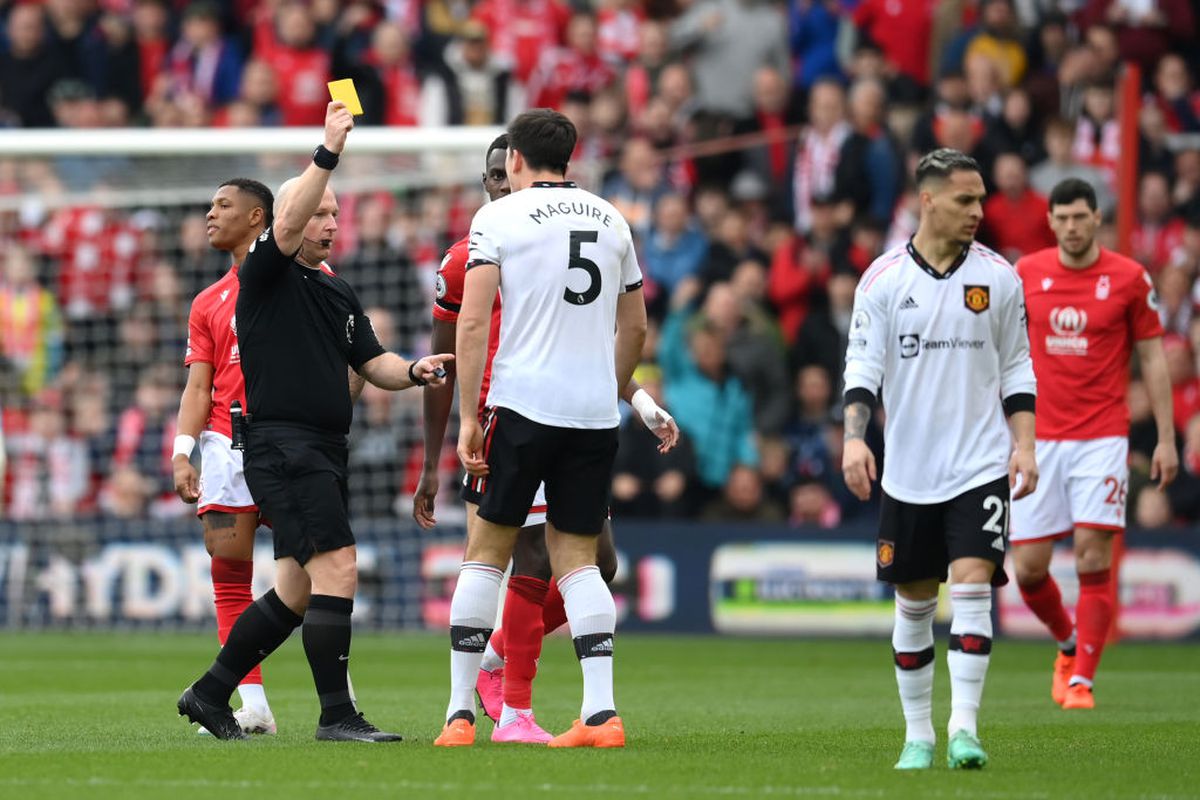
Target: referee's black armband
(412,375)
(860,395)
(1019,402)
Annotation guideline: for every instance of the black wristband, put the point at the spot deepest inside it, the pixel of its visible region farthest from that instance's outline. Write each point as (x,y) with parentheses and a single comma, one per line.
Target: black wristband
(325,159)
(412,376)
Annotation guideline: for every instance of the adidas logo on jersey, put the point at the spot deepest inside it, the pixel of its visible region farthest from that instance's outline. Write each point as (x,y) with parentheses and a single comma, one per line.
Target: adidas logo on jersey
(908,303)
(998,543)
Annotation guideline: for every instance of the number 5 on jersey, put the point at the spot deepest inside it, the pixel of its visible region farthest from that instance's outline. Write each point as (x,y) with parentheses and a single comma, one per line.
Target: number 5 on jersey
(577,261)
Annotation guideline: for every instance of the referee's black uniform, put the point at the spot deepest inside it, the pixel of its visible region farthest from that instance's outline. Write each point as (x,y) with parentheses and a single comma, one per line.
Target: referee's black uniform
(298,330)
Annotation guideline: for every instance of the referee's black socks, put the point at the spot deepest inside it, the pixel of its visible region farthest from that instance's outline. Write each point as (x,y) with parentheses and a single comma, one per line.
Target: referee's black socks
(327,645)
(263,626)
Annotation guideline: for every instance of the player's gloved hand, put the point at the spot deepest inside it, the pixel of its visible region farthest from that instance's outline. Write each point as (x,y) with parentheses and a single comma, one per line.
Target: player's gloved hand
(858,468)
(656,420)
(1164,464)
(427,489)
(470,446)
(338,122)
(187,482)
(430,370)
(1023,462)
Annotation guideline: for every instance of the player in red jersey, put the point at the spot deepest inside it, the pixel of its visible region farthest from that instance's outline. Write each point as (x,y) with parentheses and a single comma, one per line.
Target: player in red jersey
(1088,309)
(533,606)
(240,211)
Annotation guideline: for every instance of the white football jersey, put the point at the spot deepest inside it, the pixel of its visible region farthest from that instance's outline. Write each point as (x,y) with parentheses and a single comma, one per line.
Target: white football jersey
(565,255)
(947,349)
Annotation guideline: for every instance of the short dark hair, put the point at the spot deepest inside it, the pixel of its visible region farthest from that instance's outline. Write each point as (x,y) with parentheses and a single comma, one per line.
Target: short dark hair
(941,163)
(544,138)
(499,143)
(260,192)
(1069,190)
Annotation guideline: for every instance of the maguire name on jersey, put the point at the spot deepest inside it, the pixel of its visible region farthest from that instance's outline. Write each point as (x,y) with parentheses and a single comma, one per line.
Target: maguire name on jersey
(565,256)
(946,350)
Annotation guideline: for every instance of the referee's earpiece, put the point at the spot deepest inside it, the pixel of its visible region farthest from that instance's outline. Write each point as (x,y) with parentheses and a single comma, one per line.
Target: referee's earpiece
(319,242)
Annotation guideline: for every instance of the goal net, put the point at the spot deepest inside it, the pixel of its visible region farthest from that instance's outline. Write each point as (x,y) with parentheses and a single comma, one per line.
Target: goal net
(104,247)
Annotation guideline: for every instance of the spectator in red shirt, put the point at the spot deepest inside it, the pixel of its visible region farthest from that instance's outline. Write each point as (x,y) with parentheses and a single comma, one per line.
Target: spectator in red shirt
(1157,233)
(301,68)
(150,20)
(522,30)
(619,34)
(1014,218)
(1185,386)
(902,28)
(577,67)
(641,76)
(389,85)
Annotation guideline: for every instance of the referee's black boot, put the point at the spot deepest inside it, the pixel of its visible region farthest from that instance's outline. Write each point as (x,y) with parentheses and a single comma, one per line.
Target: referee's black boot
(217,720)
(354,728)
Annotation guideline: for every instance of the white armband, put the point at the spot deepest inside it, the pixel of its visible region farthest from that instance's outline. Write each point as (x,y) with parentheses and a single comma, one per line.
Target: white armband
(184,445)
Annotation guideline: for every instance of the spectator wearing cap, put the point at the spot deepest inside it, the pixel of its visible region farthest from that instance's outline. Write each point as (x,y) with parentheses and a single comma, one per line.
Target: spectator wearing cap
(474,88)
(29,67)
(869,172)
(1014,217)
(728,41)
(204,62)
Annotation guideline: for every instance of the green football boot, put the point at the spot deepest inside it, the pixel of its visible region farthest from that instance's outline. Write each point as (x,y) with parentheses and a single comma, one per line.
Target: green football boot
(965,752)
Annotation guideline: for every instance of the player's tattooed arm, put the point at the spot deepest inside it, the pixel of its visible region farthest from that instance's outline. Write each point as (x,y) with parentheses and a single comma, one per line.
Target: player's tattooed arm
(858,416)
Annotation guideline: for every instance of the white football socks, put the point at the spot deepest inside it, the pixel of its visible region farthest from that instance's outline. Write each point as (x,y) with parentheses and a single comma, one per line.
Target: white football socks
(592,616)
(969,653)
(912,645)
(472,615)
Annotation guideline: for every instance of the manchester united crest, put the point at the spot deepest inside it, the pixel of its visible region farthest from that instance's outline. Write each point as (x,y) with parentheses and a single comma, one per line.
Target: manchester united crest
(976,298)
(885,553)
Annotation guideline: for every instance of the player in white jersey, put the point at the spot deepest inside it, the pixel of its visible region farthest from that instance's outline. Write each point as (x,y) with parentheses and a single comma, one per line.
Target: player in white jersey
(564,262)
(939,324)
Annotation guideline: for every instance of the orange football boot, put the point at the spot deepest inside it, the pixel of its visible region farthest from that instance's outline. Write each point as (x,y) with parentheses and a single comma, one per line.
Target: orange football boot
(1064,667)
(456,733)
(610,733)
(1079,696)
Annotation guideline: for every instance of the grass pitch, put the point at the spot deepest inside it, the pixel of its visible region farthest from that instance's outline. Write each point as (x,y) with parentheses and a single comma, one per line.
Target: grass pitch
(92,715)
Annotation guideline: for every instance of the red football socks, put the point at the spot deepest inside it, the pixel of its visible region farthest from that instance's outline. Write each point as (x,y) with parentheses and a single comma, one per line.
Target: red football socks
(522,624)
(1094,614)
(1045,600)
(554,613)
(231,581)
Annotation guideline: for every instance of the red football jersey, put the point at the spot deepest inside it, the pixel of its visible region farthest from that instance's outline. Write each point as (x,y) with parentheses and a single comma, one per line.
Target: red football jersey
(451,278)
(1082,327)
(212,339)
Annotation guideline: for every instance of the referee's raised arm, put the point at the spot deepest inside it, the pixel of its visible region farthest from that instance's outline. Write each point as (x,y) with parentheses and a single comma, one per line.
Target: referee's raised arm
(297,199)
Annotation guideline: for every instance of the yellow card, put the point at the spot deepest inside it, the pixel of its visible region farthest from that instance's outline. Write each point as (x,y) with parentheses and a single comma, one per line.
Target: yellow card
(343,91)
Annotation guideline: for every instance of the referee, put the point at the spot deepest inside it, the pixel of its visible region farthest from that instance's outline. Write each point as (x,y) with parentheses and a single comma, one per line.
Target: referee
(300,327)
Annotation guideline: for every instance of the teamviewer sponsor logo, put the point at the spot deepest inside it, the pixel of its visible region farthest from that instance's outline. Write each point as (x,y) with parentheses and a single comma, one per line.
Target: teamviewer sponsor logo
(910,345)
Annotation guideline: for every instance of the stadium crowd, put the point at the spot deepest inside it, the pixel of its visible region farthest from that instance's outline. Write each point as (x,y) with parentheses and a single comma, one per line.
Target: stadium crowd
(761,151)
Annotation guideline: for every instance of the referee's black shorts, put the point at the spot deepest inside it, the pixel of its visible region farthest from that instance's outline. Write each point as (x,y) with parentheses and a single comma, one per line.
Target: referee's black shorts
(919,541)
(576,465)
(297,477)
